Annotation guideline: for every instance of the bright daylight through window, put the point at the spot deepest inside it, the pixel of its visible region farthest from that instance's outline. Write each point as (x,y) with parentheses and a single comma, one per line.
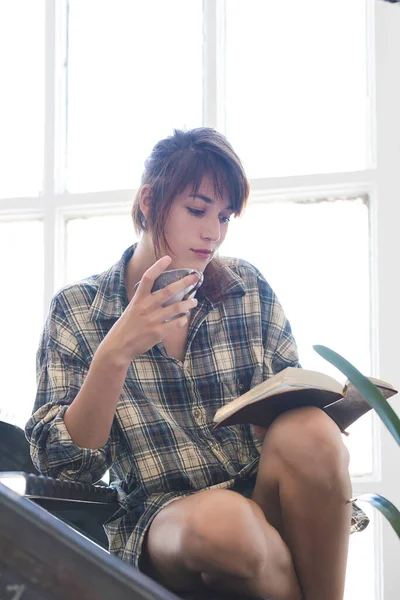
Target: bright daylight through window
(286,113)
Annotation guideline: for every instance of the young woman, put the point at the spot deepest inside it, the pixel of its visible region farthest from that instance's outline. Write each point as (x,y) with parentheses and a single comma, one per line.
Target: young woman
(122,386)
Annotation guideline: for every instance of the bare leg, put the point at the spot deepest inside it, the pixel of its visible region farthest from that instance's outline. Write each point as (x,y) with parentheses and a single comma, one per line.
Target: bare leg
(223,540)
(302,487)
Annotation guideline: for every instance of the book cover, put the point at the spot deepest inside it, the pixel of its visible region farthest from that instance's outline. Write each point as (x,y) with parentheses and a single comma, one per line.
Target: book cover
(296,388)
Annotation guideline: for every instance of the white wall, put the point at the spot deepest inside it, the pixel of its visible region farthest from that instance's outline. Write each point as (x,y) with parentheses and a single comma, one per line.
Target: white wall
(388,256)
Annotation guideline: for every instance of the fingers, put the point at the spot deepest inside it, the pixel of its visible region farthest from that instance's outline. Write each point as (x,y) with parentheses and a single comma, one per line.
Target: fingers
(186,306)
(175,322)
(152,273)
(173,292)
(152,319)
(171,325)
(165,295)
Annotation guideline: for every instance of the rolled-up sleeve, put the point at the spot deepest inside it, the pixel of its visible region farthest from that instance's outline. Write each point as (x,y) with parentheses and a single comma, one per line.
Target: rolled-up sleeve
(280,348)
(61,371)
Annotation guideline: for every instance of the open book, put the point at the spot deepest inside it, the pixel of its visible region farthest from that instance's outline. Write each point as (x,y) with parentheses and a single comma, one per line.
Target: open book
(294,388)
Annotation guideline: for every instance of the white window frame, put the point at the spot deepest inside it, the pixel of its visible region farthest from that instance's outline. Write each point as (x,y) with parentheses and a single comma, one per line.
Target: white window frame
(381,182)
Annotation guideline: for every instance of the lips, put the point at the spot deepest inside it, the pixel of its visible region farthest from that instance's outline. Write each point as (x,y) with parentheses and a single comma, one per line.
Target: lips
(202,252)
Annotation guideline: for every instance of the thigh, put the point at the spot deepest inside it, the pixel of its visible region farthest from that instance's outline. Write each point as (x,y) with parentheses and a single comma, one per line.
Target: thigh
(209,530)
(303,443)
(161,552)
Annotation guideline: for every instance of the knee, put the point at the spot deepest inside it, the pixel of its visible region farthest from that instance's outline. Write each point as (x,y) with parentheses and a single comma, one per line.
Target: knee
(223,536)
(308,443)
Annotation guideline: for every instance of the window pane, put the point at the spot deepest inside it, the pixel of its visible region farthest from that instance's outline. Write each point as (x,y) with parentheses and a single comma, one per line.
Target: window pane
(361,574)
(21,304)
(296,85)
(134,73)
(22,97)
(315,256)
(94,244)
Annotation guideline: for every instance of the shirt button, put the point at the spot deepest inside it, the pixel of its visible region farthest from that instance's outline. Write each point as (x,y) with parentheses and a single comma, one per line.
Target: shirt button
(241,387)
(196,413)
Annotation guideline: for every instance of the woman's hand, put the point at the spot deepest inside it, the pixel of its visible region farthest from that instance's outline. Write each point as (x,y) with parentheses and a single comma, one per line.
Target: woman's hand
(145,321)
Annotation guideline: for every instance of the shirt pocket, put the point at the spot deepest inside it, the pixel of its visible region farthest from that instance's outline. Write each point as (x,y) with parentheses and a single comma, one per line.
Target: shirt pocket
(240,382)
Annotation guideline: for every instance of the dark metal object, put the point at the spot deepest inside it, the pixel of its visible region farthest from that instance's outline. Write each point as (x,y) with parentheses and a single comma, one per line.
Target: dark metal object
(14,449)
(36,487)
(43,558)
(84,507)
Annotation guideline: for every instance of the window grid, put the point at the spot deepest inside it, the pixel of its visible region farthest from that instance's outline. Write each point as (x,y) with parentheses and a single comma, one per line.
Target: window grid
(55,206)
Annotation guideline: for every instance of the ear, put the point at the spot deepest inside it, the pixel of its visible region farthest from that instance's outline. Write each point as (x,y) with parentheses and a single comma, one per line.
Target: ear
(145,200)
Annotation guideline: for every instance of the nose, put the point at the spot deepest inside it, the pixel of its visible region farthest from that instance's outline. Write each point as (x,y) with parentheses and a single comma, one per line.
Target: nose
(212,230)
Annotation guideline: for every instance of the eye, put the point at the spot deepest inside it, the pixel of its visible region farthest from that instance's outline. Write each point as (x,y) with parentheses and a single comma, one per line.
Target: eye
(224,219)
(196,212)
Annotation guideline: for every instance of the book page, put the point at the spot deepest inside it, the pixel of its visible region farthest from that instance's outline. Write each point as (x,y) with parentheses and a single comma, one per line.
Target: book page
(378,382)
(289,378)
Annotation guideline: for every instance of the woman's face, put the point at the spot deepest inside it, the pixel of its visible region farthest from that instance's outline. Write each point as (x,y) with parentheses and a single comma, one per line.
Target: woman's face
(196,226)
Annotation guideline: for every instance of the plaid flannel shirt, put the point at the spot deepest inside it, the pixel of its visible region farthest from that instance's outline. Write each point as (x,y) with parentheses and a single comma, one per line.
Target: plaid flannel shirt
(162,443)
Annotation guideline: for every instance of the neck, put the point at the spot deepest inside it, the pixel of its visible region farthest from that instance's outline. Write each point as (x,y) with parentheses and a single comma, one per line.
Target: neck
(143,258)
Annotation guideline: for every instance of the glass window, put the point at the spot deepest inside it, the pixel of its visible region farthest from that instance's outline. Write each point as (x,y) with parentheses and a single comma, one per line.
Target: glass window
(296,86)
(295,103)
(134,74)
(95,243)
(22,97)
(315,255)
(361,573)
(21,305)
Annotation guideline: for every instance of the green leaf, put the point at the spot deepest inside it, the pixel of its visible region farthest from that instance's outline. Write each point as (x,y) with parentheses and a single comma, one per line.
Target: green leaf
(385,507)
(371,393)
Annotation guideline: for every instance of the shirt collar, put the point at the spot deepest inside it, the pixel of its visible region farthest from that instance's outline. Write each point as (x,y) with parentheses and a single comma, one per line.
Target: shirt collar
(111,298)
(231,284)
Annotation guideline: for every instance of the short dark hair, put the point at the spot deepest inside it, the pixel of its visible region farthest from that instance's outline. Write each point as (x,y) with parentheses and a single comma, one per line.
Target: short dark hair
(181,160)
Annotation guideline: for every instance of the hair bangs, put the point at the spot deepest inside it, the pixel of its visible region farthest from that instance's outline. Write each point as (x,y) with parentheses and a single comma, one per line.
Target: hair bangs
(197,165)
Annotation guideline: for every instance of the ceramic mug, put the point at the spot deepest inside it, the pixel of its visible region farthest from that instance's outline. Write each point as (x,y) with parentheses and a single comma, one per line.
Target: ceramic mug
(171,276)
